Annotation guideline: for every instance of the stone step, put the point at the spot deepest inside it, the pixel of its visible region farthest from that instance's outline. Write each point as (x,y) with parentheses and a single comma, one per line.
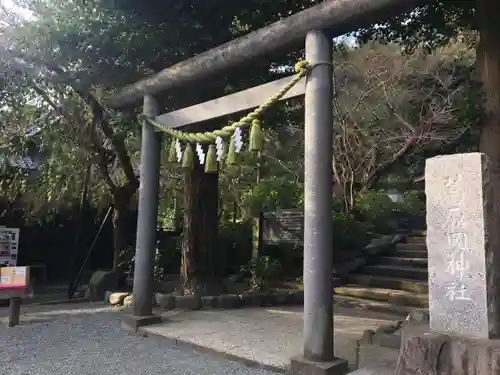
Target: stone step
(400,298)
(413,273)
(387,282)
(414,262)
(418,233)
(411,246)
(345,301)
(421,254)
(416,240)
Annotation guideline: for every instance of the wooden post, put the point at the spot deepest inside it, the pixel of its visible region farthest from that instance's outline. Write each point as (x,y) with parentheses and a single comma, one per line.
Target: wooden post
(14,311)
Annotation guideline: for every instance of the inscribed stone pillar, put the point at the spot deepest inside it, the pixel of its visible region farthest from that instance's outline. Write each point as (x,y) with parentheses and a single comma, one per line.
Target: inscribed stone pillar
(463,266)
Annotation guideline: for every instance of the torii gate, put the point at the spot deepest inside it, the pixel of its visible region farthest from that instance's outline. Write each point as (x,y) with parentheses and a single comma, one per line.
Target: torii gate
(335,16)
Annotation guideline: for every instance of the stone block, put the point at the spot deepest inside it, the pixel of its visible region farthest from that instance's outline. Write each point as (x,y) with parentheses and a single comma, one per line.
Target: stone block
(268,299)
(228,301)
(165,301)
(463,263)
(209,302)
(101,281)
(282,298)
(424,351)
(251,299)
(188,302)
(367,337)
(127,301)
(301,366)
(387,340)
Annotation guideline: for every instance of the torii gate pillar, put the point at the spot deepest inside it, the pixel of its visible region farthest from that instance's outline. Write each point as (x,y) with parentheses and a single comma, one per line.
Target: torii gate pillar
(142,309)
(318,356)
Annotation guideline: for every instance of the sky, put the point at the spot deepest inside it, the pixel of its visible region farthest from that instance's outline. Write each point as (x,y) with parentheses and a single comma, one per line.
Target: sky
(9,4)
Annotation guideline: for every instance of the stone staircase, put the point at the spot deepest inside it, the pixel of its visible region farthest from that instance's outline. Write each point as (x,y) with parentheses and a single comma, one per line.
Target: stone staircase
(395,281)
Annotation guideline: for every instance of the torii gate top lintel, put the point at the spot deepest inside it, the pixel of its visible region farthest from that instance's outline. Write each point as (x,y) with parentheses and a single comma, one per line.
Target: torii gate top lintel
(336,16)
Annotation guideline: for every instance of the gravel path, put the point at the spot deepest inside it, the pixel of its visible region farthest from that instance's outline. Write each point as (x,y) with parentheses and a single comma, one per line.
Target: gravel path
(91,342)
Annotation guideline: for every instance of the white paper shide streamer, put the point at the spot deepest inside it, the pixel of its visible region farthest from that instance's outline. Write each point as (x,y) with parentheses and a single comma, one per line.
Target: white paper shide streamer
(238,140)
(178,150)
(219,148)
(201,153)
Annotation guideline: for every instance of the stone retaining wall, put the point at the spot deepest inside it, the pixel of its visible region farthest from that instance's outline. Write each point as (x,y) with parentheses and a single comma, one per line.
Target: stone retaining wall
(224,301)
(426,352)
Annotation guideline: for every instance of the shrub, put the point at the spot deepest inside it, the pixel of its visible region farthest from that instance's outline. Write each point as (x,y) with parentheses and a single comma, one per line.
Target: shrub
(413,203)
(235,241)
(261,270)
(377,209)
(349,234)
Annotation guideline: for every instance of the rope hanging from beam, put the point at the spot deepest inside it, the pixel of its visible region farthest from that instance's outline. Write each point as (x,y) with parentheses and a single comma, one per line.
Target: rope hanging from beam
(215,139)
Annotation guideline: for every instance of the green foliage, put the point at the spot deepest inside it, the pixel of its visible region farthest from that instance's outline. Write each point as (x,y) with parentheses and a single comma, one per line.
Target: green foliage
(269,195)
(412,204)
(349,234)
(127,262)
(375,206)
(431,24)
(384,95)
(235,242)
(262,270)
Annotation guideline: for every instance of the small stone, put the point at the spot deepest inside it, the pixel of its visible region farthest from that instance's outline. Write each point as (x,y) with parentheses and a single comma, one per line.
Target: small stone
(228,301)
(116,299)
(188,302)
(127,302)
(165,301)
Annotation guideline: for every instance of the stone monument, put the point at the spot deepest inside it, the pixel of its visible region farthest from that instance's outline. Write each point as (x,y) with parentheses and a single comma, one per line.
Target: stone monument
(463,278)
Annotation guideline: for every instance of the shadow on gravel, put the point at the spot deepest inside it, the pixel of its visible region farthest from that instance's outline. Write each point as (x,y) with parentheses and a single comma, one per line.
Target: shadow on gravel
(45,314)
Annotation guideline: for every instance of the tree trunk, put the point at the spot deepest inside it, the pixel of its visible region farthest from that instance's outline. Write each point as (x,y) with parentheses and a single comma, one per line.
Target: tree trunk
(124,227)
(488,60)
(201,264)
(177,212)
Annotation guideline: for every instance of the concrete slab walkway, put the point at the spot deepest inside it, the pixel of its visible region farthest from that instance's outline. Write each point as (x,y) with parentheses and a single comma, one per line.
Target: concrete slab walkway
(270,336)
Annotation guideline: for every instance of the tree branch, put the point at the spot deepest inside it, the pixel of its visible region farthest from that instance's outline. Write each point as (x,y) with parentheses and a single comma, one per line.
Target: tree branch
(58,76)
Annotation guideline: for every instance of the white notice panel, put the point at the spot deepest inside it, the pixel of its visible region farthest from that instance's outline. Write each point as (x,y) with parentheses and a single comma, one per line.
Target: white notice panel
(9,243)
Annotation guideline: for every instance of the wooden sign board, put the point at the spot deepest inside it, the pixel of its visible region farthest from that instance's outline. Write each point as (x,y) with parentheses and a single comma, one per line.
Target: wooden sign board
(286,226)
(14,282)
